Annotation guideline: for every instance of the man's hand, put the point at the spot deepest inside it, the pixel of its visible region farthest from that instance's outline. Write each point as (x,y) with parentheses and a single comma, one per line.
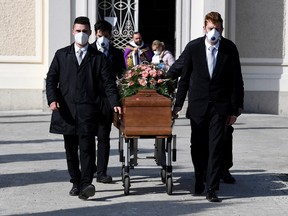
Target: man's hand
(231,120)
(175,112)
(54,106)
(117,109)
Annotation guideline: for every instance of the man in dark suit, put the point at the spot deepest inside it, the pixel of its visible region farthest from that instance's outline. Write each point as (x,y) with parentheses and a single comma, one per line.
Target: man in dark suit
(212,75)
(72,88)
(103,33)
(175,72)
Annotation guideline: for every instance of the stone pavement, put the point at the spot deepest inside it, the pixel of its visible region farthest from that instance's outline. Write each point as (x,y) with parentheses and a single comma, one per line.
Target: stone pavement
(34,178)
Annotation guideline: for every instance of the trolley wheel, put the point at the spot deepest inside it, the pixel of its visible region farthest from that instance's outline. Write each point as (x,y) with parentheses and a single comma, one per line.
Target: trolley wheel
(169,185)
(163,175)
(158,151)
(126,185)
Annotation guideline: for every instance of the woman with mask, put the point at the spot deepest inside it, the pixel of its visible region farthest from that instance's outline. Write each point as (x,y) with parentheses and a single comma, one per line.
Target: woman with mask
(161,55)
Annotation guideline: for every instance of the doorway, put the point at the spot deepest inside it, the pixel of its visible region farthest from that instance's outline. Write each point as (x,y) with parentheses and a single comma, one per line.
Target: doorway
(157,22)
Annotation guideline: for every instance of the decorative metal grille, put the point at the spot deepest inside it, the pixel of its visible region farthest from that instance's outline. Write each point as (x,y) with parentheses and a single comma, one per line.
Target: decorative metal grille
(125,11)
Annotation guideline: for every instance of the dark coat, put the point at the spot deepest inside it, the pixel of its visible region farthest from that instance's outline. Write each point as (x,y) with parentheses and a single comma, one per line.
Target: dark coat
(77,90)
(116,58)
(116,61)
(225,89)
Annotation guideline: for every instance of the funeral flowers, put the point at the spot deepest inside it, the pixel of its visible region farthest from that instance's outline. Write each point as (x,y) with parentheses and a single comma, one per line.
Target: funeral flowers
(146,76)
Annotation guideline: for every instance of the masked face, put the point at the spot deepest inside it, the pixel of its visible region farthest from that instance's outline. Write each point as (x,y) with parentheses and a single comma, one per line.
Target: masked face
(103,42)
(156,52)
(81,38)
(213,36)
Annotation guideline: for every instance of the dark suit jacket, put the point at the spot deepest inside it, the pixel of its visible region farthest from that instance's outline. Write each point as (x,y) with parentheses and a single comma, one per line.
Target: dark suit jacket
(116,58)
(225,89)
(117,63)
(77,89)
(176,68)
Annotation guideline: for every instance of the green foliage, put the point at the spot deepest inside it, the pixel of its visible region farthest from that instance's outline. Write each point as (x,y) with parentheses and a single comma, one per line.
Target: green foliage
(145,76)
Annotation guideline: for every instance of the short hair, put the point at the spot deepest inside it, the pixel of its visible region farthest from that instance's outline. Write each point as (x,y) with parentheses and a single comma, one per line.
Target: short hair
(103,26)
(158,43)
(214,17)
(135,33)
(82,20)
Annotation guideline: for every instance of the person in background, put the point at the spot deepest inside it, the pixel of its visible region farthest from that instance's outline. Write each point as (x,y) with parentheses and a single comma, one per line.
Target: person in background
(137,51)
(212,75)
(72,89)
(164,59)
(161,55)
(103,34)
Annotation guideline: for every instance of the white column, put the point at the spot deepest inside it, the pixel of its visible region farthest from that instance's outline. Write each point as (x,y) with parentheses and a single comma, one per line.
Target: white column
(92,12)
(198,14)
(81,8)
(189,22)
(92,15)
(183,25)
(220,6)
(136,15)
(59,26)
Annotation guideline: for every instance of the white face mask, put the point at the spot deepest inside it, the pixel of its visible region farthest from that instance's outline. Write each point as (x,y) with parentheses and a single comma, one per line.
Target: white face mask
(156,52)
(103,42)
(213,36)
(81,38)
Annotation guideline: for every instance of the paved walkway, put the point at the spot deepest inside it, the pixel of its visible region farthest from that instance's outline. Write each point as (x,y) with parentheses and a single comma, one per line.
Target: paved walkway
(34,178)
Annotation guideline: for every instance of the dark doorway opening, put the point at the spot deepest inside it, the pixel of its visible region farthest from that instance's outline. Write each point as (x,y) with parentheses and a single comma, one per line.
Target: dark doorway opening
(157,22)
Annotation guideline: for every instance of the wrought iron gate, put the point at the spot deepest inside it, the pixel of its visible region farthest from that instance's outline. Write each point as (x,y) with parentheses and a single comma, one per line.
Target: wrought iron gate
(126,14)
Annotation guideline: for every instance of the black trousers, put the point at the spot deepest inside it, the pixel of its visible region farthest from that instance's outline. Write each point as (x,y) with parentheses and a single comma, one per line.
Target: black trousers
(103,138)
(86,146)
(206,147)
(227,149)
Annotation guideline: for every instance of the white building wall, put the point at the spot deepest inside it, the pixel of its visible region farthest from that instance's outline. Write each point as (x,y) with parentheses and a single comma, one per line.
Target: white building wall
(22,62)
(260,35)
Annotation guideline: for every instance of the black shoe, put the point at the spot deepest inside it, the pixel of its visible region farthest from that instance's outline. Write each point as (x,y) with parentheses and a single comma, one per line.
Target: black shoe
(86,192)
(74,190)
(199,189)
(104,179)
(212,196)
(227,177)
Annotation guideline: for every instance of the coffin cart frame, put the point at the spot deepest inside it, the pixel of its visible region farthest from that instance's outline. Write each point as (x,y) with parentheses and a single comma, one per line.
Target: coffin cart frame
(154,126)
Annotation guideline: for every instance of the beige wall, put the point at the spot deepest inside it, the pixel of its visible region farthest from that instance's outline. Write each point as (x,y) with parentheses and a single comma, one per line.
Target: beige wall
(259,28)
(260,35)
(17,28)
(22,62)
(21,29)
(34,29)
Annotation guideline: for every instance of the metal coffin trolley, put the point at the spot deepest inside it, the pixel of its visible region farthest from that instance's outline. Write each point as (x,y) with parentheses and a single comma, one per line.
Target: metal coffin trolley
(146,115)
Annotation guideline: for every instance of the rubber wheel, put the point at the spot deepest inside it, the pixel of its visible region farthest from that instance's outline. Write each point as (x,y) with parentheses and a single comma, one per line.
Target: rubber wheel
(169,185)
(157,151)
(122,173)
(126,185)
(163,175)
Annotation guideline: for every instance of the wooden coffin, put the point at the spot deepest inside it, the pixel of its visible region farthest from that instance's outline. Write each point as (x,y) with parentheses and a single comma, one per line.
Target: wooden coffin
(146,114)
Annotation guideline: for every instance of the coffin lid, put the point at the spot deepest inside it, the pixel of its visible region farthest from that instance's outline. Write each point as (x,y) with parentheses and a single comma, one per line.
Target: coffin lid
(147,97)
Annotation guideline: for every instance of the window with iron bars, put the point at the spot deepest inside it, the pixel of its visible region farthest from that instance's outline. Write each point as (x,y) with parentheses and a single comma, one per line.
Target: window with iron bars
(124,15)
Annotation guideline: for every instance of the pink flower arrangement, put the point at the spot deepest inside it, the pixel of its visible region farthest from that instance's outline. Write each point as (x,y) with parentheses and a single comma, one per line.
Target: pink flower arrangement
(145,76)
